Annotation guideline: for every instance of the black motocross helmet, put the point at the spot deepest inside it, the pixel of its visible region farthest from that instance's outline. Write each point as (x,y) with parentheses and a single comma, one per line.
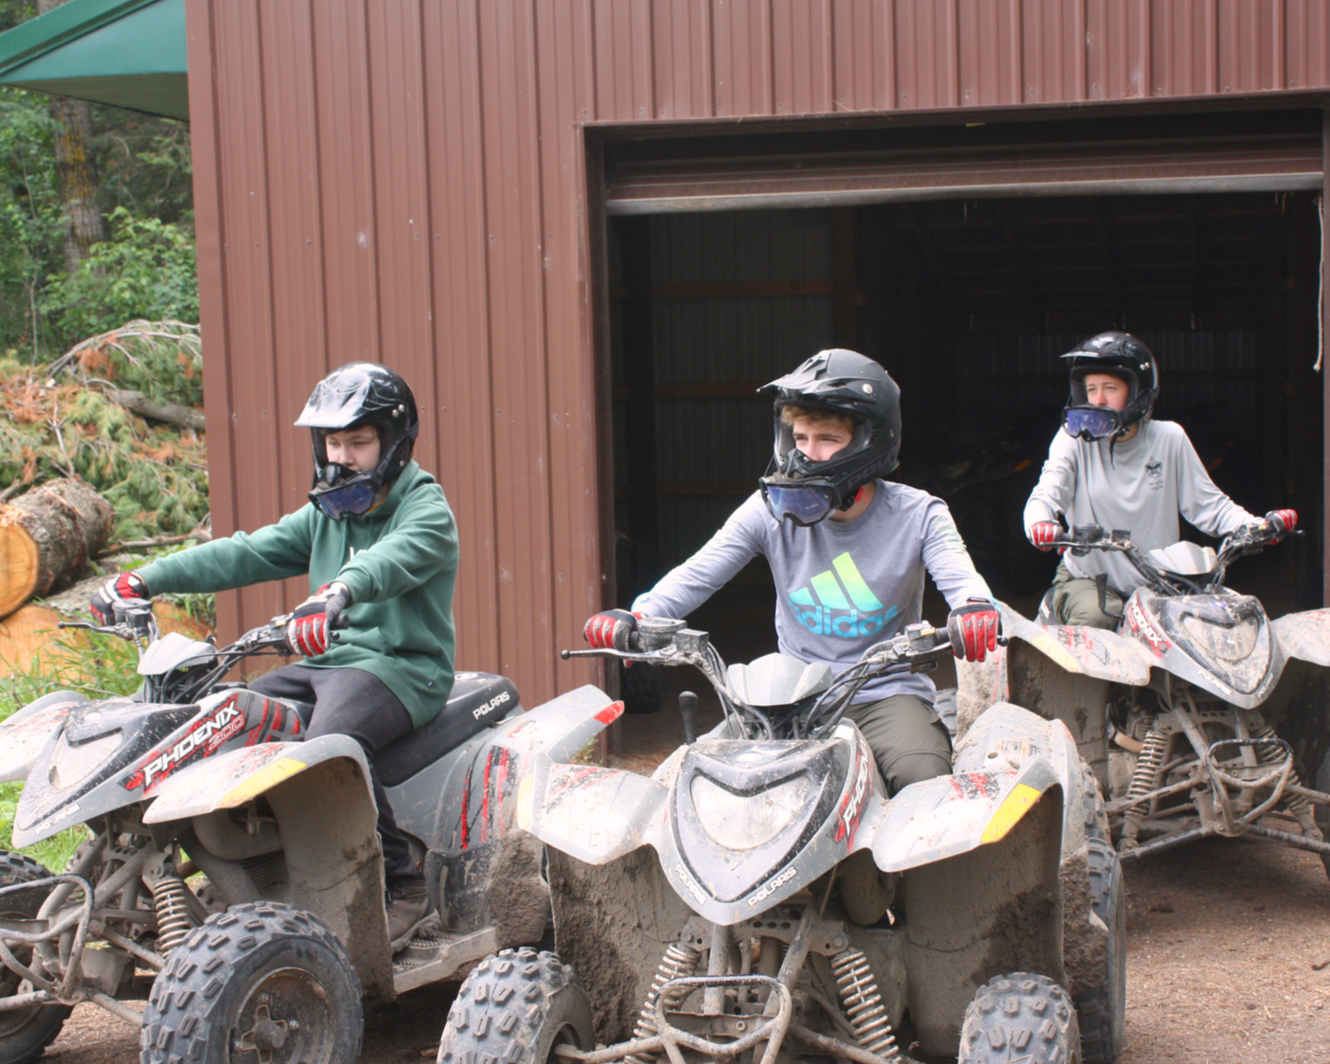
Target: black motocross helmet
(351,396)
(840,382)
(1123,356)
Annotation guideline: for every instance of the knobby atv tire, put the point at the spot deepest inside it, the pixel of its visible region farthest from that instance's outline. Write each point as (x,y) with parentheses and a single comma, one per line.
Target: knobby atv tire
(260,976)
(1020,1017)
(1321,813)
(514,1008)
(639,688)
(1102,1012)
(24,1033)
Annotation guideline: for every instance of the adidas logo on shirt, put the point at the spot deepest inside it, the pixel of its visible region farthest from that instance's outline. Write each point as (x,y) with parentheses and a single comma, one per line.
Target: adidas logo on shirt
(839,602)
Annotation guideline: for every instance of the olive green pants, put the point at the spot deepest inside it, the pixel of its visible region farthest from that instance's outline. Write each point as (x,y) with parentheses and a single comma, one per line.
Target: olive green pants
(1076,601)
(907,739)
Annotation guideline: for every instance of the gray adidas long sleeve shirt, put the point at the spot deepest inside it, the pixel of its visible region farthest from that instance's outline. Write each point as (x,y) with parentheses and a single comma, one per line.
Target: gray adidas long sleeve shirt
(841,586)
(1142,488)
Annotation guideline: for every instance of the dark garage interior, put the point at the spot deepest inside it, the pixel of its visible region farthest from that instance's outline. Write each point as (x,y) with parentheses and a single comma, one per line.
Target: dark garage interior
(967,302)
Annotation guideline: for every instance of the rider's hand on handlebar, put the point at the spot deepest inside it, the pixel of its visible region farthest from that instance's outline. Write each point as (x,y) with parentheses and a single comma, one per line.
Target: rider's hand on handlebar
(307,630)
(611,630)
(1283,521)
(120,588)
(1043,533)
(974,629)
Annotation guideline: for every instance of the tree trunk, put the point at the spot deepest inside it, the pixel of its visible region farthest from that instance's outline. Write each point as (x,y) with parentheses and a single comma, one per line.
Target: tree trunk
(47,533)
(76,170)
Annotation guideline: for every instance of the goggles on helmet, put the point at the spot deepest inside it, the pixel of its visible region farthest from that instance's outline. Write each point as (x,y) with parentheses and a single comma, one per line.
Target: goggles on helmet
(353,494)
(804,502)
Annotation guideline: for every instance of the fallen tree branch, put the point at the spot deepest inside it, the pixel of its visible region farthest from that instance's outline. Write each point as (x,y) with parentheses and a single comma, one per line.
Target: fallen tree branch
(185,417)
(200,534)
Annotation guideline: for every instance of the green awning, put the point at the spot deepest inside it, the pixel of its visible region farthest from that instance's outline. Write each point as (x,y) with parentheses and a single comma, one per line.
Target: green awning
(130,53)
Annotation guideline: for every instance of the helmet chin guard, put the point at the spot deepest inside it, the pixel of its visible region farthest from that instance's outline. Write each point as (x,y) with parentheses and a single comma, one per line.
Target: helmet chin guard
(835,381)
(351,396)
(1120,355)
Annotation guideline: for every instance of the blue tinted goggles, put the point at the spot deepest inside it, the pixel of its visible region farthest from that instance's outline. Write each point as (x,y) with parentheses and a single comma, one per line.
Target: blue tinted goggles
(804,504)
(354,496)
(1091,422)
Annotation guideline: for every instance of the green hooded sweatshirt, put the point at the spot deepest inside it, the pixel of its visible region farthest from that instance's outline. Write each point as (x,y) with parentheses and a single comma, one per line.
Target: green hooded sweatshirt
(399,562)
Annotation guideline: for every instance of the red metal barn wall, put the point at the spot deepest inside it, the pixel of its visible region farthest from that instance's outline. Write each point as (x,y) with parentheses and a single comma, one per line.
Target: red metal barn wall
(406,181)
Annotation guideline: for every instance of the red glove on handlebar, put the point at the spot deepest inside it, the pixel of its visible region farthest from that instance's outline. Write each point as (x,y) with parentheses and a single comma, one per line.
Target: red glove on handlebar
(120,588)
(1042,534)
(974,629)
(307,630)
(1283,520)
(611,630)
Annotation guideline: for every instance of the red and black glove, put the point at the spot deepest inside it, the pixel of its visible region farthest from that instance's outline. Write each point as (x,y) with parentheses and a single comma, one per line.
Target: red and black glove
(1283,521)
(307,630)
(611,630)
(123,587)
(1042,534)
(974,629)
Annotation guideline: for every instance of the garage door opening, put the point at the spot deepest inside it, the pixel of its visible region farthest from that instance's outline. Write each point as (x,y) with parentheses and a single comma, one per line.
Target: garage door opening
(967,303)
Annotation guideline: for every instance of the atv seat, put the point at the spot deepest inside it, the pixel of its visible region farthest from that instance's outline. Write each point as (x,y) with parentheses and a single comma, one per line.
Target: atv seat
(477,700)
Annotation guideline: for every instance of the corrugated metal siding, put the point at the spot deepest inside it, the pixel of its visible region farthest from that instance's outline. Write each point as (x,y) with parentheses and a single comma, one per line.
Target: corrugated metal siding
(404,180)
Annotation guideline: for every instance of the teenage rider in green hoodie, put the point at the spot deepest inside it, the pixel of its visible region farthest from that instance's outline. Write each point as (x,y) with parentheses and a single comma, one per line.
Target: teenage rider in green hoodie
(378,542)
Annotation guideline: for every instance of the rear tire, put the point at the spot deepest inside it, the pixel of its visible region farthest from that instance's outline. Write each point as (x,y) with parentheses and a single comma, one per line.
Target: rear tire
(259,981)
(516,1007)
(639,688)
(24,1033)
(1020,1017)
(1102,1012)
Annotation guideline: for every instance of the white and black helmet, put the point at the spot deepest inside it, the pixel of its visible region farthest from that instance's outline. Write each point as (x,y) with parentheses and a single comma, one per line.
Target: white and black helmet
(841,382)
(351,396)
(1120,355)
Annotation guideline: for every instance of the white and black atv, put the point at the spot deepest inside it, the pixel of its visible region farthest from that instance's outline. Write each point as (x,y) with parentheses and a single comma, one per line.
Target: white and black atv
(1200,714)
(266,955)
(758,898)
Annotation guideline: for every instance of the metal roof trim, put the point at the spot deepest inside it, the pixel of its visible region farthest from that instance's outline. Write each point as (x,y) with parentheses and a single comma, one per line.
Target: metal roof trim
(45,33)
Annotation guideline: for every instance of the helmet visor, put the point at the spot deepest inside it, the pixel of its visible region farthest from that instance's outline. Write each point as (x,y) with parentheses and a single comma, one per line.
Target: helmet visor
(1092,422)
(804,504)
(354,496)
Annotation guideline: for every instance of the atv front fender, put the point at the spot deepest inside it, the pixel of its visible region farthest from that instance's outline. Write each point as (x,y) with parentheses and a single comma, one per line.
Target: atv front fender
(23,735)
(1304,635)
(594,814)
(1094,652)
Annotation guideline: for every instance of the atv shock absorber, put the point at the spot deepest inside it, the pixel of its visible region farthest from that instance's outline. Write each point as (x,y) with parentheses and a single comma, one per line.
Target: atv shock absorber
(1143,780)
(174,920)
(1295,804)
(860,998)
(680,960)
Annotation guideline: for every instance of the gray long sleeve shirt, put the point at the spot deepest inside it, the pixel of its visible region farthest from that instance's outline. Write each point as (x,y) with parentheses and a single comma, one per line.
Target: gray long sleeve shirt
(841,586)
(1149,480)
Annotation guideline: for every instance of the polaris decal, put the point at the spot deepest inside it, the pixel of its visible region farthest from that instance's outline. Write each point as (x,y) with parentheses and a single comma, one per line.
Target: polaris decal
(693,888)
(494,703)
(852,805)
(771,887)
(204,737)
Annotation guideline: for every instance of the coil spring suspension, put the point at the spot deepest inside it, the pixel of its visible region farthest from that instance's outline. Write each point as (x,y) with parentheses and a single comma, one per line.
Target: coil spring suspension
(1143,780)
(862,1002)
(1296,804)
(174,920)
(679,960)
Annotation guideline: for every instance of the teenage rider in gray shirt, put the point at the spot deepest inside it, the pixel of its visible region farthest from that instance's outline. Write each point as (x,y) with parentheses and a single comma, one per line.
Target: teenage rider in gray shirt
(1114,467)
(848,552)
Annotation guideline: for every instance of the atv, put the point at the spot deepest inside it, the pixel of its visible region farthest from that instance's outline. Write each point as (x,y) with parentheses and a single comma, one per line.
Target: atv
(233,877)
(759,897)
(1200,715)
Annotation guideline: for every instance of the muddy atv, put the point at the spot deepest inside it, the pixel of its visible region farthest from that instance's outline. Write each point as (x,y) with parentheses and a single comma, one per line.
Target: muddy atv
(759,898)
(233,877)
(1200,715)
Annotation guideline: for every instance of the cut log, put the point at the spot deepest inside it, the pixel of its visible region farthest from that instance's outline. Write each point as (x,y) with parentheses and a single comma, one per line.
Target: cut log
(31,632)
(46,533)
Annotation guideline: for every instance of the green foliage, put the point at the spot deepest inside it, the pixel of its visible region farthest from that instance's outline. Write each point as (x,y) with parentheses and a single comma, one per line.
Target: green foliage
(145,270)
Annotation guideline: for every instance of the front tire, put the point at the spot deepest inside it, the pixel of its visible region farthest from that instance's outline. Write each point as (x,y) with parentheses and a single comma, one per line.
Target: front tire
(1020,1017)
(260,977)
(516,1007)
(1102,1012)
(24,1033)
(1321,813)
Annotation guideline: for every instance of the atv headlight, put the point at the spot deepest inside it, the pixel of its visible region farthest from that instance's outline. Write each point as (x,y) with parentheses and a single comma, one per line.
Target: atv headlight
(1225,642)
(747,821)
(74,764)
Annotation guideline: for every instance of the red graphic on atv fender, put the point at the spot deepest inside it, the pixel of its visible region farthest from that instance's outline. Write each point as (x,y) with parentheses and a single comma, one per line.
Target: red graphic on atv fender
(976,785)
(204,737)
(1142,626)
(852,805)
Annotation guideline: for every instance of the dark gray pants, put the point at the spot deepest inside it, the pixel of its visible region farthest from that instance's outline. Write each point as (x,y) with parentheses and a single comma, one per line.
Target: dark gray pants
(1076,601)
(355,703)
(906,737)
